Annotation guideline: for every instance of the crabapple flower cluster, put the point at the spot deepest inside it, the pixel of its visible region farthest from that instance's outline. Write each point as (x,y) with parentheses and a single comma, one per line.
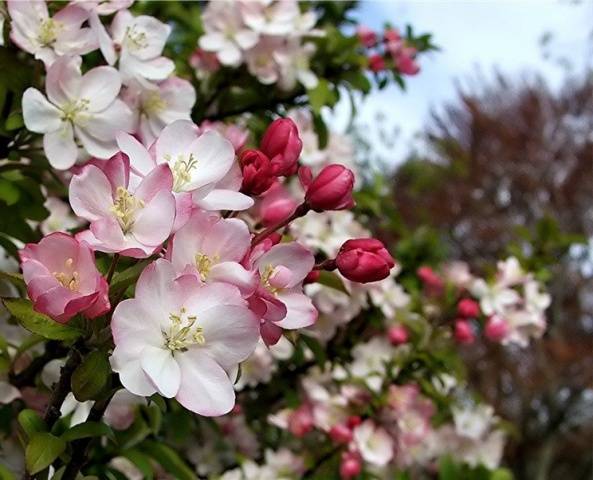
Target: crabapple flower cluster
(201,310)
(388,50)
(268,36)
(80,115)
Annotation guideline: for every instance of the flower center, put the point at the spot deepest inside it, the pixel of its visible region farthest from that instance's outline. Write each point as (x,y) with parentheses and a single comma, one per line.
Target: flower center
(204,264)
(181,170)
(48,32)
(71,110)
(183,332)
(125,206)
(266,280)
(69,279)
(153,104)
(135,40)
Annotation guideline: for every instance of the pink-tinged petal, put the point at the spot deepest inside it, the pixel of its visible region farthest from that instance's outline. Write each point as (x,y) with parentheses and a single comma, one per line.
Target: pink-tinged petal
(76,42)
(267,305)
(300,311)
(60,148)
(105,42)
(187,242)
(131,374)
(270,333)
(100,86)
(80,303)
(90,194)
(154,288)
(229,239)
(224,200)
(109,234)
(120,23)
(141,162)
(134,326)
(205,387)
(212,295)
(293,256)
(53,303)
(101,305)
(156,33)
(27,15)
(39,284)
(102,149)
(235,274)
(175,140)
(38,114)
(162,369)
(184,206)
(158,180)
(280,277)
(212,41)
(215,156)
(117,171)
(230,332)
(154,70)
(63,80)
(154,223)
(72,16)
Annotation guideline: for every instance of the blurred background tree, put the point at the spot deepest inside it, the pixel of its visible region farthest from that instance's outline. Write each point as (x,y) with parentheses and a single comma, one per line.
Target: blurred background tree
(508,169)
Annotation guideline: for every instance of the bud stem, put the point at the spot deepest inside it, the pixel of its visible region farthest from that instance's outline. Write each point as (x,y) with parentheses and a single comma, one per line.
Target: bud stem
(329,265)
(300,211)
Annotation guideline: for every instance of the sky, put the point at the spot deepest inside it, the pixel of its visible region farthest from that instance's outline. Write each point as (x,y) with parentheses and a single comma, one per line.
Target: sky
(474,36)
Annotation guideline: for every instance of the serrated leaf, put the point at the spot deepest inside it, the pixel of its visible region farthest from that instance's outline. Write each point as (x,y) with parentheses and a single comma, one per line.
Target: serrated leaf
(42,450)
(91,376)
(39,323)
(31,422)
(86,430)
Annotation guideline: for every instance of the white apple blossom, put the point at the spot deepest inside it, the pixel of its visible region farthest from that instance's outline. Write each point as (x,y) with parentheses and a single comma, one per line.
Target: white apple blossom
(270,17)
(85,107)
(374,443)
(49,38)
(180,339)
(141,41)
(61,217)
(294,64)
(370,361)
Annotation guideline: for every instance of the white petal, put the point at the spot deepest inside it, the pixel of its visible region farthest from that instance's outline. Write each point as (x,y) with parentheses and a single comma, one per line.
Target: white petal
(100,87)
(90,194)
(141,162)
(39,115)
(224,200)
(59,147)
(162,369)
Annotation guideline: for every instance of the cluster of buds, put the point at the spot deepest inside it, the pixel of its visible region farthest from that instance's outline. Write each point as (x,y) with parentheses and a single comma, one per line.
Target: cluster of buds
(389,50)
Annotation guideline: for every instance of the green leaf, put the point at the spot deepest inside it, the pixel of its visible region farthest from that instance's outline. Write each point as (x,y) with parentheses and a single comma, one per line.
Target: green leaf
(91,376)
(8,192)
(501,474)
(141,461)
(448,470)
(321,95)
(316,348)
(168,459)
(86,430)
(321,131)
(14,121)
(31,422)
(15,278)
(123,280)
(42,450)
(330,279)
(39,323)
(6,474)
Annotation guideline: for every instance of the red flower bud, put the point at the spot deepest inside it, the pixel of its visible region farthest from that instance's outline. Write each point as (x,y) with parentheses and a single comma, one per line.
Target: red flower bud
(391,35)
(331,189)
(312,277)
(282,144)
(354,421)
(277,205)
(398,335)
(257,172)
(464,332)
(350,465)
(301,421)
(376,63)
(496,328)
(405,62)
(366,36)
(364,260)
(468,308)
(340,433)
(433,284)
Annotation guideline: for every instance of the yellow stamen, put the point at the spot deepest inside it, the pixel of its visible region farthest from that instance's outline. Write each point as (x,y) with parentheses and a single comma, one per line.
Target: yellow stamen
(125,206)
(183,333)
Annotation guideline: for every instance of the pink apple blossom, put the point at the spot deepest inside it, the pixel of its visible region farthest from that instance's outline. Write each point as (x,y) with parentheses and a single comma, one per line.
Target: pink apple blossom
(82,106)
(179,338)
(279,299)
(211,248)
(49,38)
(270,17)
(128,216)
(62,279)
(140,41)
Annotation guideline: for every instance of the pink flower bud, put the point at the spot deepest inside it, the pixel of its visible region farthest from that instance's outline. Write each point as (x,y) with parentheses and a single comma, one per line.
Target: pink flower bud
(496,328)
(405,62)
(376,63)
(366,36)
(433,284)
(340,433)
(397,334)
(464,332)
(468,308)
(331,189)
(364,260)
(257,172)
(301,421)
(62,279)
(354,421)
(277,205)
(312,277)
(350,465)
(282,144)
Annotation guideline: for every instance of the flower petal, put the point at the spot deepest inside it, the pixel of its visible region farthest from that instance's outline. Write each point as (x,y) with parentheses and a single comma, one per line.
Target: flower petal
(39,115)
(162,369)
(90,194)
(60,148)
